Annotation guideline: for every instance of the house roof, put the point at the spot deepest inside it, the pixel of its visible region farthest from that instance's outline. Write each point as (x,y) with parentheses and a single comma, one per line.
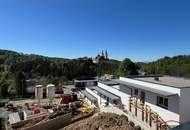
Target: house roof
(158,91)
(106,93)
(167,80)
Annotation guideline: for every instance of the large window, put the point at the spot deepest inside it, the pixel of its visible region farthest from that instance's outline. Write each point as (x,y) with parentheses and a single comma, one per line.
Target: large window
(162,102)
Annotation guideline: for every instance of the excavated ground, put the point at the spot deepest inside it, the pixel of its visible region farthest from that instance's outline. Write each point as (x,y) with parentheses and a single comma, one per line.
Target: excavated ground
(104,121)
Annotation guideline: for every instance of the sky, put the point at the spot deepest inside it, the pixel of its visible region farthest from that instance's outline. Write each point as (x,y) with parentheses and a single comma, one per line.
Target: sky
(143,30)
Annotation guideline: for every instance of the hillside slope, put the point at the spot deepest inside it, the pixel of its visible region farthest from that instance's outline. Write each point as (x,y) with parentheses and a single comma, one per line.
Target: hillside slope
(173,66)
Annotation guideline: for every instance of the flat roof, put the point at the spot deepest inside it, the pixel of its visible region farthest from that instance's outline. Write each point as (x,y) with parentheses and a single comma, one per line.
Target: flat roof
(88,95)
(161,92)
(69,86)
(85,80)
(167,81)
(106,93)
(109,82)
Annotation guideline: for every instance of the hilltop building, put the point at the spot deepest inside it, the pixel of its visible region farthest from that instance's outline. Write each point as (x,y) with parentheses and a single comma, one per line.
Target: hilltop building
(99,57)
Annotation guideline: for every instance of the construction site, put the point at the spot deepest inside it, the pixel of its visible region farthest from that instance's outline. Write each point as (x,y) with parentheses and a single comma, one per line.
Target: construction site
(72,110)
(69,112)
(92,104)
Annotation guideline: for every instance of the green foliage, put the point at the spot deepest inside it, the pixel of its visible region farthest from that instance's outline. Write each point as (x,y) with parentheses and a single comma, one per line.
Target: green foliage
(35,66)
(20,83)
(174,66)
(108,67)
(12,89)
(3,85)
(127,67)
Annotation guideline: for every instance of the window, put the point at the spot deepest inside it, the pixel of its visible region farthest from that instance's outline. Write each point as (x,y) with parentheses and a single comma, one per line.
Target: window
(162,102)
(136,92)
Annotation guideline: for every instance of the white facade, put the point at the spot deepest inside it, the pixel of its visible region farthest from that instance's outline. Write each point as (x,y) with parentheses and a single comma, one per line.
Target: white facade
(184,109)
(178,109)
(178,105)
(152,85)
(39,91)
(170,114)
(50,91)
(101,101)
(115,90)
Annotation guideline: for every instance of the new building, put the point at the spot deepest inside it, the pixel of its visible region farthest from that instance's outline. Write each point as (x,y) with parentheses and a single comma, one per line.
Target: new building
(166,96)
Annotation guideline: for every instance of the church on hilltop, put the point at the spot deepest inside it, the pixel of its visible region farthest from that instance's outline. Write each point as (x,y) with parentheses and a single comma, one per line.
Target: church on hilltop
(100,56)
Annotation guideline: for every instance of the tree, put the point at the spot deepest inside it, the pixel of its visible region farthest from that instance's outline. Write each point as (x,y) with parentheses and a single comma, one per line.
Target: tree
(174,66)
(20,83)
(127,67)
(3,85)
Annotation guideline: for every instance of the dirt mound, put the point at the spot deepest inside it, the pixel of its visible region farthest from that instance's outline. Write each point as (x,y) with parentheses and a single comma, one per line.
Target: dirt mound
(104,121)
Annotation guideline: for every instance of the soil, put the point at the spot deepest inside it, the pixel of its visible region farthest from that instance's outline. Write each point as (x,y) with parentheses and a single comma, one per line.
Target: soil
(104,121)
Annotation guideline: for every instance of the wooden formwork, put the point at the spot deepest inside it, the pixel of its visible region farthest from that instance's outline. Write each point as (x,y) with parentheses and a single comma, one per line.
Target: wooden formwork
(147,114)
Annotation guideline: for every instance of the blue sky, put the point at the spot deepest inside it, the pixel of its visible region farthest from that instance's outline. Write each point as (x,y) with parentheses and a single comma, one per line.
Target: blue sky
(142,30)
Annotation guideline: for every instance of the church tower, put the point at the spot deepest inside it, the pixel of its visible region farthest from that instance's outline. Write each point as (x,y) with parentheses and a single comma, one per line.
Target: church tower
(103,54)
(106,55)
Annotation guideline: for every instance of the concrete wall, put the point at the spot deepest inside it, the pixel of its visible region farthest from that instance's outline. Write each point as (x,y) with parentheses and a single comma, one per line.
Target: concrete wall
(53,124)
(50,91)
(99,99)
(115,90)
(124,92)
(185,105)
(172,113)
(39,92)
(152,85)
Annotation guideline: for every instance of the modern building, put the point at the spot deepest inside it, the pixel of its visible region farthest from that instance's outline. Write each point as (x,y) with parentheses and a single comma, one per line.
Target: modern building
(81,83)
(89,98)
(167,96)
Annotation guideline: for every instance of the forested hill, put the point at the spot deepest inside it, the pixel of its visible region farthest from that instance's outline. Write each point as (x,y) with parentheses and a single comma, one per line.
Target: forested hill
(174,66)
(36,66)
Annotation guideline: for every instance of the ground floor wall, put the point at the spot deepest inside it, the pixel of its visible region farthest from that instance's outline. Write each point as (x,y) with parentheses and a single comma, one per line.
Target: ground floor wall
(171,114)
(184,105)
(115,90)
(100,100)
(124,92)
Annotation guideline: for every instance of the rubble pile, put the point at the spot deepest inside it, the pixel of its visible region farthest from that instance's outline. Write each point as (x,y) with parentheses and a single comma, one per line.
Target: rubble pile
(104,121)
